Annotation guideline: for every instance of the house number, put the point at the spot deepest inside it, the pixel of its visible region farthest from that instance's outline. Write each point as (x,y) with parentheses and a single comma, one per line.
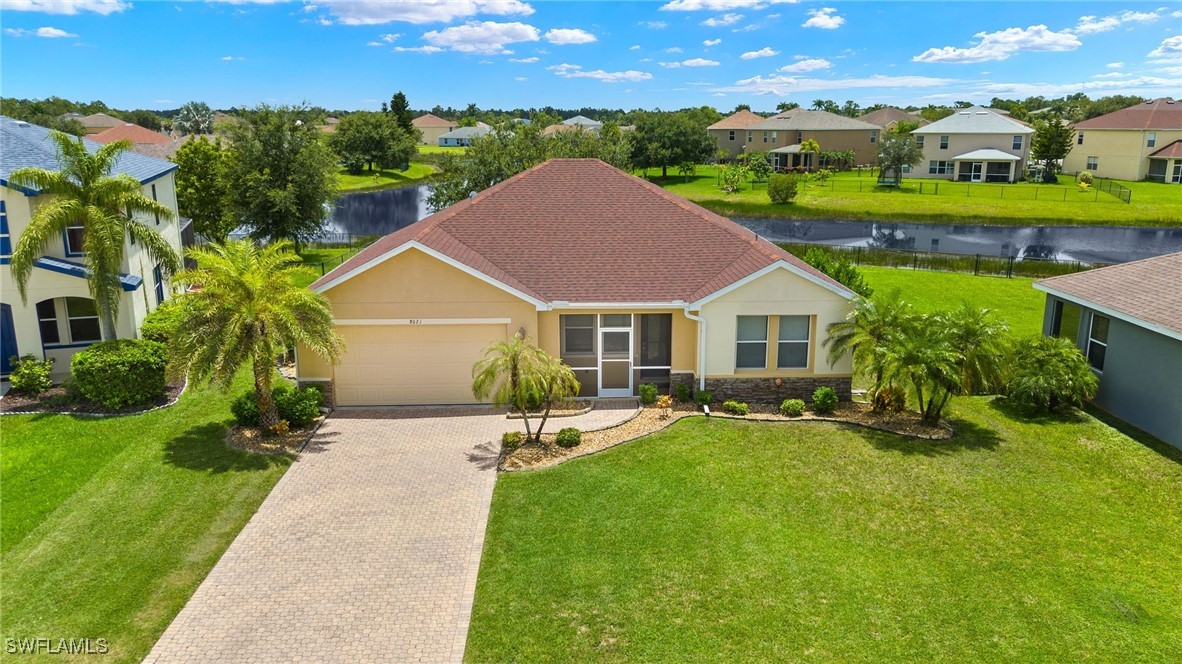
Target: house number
(416,321)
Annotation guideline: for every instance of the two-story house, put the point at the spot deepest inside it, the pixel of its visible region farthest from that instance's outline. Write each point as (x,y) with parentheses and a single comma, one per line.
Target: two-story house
(1135,143)
(58,318)
(782,134)
(974,145)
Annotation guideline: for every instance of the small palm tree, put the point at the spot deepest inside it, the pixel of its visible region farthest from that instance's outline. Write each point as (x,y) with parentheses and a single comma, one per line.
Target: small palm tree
(982,342)
(84,193)
(518,374)
(245,307)
(925,358)
(810,147)
(866,329)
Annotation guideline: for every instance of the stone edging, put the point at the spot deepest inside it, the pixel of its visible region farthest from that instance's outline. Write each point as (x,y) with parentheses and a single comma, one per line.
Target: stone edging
(588,453)
(184,388)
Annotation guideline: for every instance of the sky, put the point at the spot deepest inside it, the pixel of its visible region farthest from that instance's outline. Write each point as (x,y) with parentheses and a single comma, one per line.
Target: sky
(352,54)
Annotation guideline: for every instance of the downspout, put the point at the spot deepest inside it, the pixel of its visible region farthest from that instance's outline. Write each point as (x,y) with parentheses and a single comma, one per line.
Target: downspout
(701,346)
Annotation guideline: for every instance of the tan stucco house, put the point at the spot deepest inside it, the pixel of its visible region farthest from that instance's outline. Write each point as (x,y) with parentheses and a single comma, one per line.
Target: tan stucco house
(973,145)
(624,281)
(1135,143)
(730,133)
(432,127)
(781,136)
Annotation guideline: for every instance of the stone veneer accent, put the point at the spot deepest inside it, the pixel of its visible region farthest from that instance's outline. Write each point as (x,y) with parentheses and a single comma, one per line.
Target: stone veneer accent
(326,386)
(682,378)
(765,390)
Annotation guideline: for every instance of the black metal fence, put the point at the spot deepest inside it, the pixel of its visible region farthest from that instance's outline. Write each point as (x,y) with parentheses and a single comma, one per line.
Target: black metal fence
(979,264)
(1113,189)
(1021,192)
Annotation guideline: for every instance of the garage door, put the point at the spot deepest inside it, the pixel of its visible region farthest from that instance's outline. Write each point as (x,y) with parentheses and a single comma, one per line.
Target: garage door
(410,364)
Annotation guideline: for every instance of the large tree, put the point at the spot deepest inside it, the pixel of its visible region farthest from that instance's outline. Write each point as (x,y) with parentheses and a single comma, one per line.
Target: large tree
(248,310)
(1053,140)
(201,191)
(663,140)
(84,193)
(400,109)
(194,117)
(364,140)
(896,150)
(280,173)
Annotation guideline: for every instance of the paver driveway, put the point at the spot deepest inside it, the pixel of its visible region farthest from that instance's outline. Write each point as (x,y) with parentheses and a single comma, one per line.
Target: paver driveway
(366,550)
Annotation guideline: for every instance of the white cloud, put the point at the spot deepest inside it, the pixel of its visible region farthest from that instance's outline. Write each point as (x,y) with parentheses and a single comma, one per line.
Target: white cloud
(163,101)
(418,49)
(782,85)
(569,36)
(692,62)
(45,33)
(575,71)
(634,47)
(673,49)
(1150,85)
(1115,65)
(1111,74)
(520,78)
(391,37)
(228,58)
(725,19)
(654,25)
(482,36)
(523,60)
(377,12)
(718,5)
(825,18)
(750,27)
(1002,44)
(1171,47)
(765,52)
(711,42)
(1091,24)
(68,7)
(806,65)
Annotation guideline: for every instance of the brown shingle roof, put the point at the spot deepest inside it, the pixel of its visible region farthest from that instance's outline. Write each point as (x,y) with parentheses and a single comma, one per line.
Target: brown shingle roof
(885,116)
(428,120)
(1164,113)
(131,132)
(1171,151)
(579,230)
(739,120)
(99,120)
(1148,290)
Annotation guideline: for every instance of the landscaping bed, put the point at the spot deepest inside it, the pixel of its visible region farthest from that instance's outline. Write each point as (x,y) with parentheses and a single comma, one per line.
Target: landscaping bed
(58,400)
(565,410)
(256,440)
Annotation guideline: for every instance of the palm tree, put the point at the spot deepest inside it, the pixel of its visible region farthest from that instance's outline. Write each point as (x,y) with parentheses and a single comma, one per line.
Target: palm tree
(810,147)
(981,341)
(84,193)
(518,374)
(866,330)
(924,357)
(247,308)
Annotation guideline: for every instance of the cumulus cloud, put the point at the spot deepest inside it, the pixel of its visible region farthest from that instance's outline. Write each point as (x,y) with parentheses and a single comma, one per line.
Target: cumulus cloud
(718,5)
(1147,85)
(523,60)
(418,49)
(711,42)
(825,18)
(807,65)
(1092,24)
(483,37)
(654,25)
(45,33)
(1115,65)
(569,36)
(725,19)
(576,71)
(1111,74)
(692,62)
(783,85)
(67,7)
(673,49)
(765,52)
(634,47)
(1171,47)
(377,12)
(1002,44)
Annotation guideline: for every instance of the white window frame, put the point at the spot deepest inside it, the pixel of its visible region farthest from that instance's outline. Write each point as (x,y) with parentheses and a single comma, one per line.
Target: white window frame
(731,136)
(764,343)
(944,142)
(919,141)
(1092,163)
(70,319)
(800,137)
(807,341)
(1151,139)
(774,134)
(873,135)
(593,355)
(765,137)
(1017,144)
(749,135)
(1079,138)
(69,246)
(1091,340)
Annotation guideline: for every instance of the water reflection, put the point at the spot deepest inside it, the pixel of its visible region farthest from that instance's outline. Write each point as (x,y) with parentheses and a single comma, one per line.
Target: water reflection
(378,212)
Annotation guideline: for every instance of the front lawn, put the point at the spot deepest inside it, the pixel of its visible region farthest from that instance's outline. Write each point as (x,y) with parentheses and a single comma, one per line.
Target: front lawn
(109,525)
(719,540)
(388,178)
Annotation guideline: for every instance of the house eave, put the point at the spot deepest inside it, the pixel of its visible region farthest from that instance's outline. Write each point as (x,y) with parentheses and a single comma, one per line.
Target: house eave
(1109,311)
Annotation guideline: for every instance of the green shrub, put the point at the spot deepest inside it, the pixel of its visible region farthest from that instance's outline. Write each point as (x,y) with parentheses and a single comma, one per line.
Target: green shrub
(824,400)
(890,399)
(682,392)
(30,375)
(839,267)
(1049,374)
(511,439)
(121,373)
(648,393)
(781,188)
(298,407)
(704,397)
(792,408)
(568,437)
(162,322)
(245,409)
(1084,177)
(735,407)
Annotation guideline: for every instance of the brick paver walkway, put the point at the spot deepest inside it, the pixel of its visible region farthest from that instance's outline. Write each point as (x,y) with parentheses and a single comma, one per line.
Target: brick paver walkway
(366,550)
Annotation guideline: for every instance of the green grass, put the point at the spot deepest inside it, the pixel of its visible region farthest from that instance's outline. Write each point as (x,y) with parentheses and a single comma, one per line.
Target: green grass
(1153,204)
(109,525)
(321,260)
(439,149)
(718,540)
(384,178)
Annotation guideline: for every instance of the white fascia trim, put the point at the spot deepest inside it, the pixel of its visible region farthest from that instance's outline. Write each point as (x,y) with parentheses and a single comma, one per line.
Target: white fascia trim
(423,321)
(374,262)
(1133,320)
(847,294)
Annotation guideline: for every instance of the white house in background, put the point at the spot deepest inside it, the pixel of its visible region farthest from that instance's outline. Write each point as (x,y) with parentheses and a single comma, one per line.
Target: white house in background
(463,135)
(59,318)
(974,145)
(584,122)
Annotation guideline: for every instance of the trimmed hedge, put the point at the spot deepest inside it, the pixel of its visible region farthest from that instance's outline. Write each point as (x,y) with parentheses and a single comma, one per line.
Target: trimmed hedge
(682,392)
(792,408)
(568,437)
(704,397)
(162,322)
(297,407)
(121,373)
(648,393)
(30,375)
(735,407)
(824,400)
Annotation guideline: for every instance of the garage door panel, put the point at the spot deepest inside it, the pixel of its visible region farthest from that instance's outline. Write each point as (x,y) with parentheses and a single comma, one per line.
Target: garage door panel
(404,364)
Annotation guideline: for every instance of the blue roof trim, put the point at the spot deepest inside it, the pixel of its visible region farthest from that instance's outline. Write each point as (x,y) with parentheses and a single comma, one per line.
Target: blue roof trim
(33,192)
(129,282)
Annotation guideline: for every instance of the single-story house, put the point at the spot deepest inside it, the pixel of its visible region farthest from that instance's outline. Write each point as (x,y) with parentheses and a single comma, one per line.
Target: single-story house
(59,318)
(463,135)
(1135,143)
(974,145)
(1127,320)
(131,132)
(624,281)
(889,117)
(432,127)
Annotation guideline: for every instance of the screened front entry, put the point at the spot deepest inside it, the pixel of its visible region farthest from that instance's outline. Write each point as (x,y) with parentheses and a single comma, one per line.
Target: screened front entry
(612,354)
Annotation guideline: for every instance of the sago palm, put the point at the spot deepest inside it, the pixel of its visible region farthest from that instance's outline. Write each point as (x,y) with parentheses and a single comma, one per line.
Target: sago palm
(84,193)
(982,341)
(244,309)
(866,329)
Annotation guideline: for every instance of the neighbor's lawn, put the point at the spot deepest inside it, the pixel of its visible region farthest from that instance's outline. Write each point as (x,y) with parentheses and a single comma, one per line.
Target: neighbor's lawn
(109,525)
(1152,204)
(717,540)
(384,178)
(439,149)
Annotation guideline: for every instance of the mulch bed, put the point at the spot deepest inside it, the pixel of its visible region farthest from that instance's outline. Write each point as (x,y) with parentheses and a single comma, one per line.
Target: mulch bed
(650,420)
(259,441)
(55,400)
(565,410)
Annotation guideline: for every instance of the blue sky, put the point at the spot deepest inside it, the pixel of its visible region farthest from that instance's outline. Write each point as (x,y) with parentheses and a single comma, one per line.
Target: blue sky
(518,53)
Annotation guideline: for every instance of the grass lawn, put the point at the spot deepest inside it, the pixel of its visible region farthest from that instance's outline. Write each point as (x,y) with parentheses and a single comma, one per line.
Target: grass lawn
(109,525)
(718,540)
(384,178)
(439,149)
(1153,204)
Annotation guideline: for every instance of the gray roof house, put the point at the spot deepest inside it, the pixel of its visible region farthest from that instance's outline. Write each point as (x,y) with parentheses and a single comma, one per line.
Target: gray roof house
(974,145)
(584,122)
(782,134)
(1127,320)
(463,135)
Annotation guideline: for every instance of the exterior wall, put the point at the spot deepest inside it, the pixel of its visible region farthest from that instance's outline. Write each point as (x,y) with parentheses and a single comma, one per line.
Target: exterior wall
(959,144)
(431,134)
(684,334)
(857,140)
(1122,153)
(766,390)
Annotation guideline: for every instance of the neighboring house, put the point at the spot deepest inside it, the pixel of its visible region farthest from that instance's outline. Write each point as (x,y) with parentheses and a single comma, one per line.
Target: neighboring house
(729,134)
(889,117)
(559,128)
(59,317)
(782,134)
(1135,143)
(974,145)
(584,122)
(95,122)
(131,132)
(329,126)
(169,149)
(1127,320)
(463,135)
(432,127)
(624,281)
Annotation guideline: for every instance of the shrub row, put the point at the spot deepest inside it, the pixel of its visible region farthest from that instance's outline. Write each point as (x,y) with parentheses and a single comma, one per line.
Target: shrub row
(297,407)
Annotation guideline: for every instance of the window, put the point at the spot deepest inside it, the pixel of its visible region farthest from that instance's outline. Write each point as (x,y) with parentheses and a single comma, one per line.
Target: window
(765,137)
(1065,321)
(730,135)
(1079,138)
(919,142)
(800,137)
(1151,139)
(578,334)
(158,282)
(943,142)
(1017,143)
(1093,163)
(774,137)
(5,239)
(749,134)
(82,319)
(157,200)
(792,349)
(47,321)
(74,237)
(873,135)
(751,351)
(1098,341)
(940,167)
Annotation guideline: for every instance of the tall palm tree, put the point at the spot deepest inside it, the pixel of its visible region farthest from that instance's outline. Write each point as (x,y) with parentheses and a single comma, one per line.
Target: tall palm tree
(84,193)
(867,328)
(246,308)
(981,341)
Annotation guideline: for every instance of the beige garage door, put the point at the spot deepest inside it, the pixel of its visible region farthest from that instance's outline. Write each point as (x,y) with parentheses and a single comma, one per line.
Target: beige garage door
(411,364)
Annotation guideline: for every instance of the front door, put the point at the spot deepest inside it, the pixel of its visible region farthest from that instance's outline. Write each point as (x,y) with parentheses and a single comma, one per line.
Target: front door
(615,355)
(7,339)
(976,172)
